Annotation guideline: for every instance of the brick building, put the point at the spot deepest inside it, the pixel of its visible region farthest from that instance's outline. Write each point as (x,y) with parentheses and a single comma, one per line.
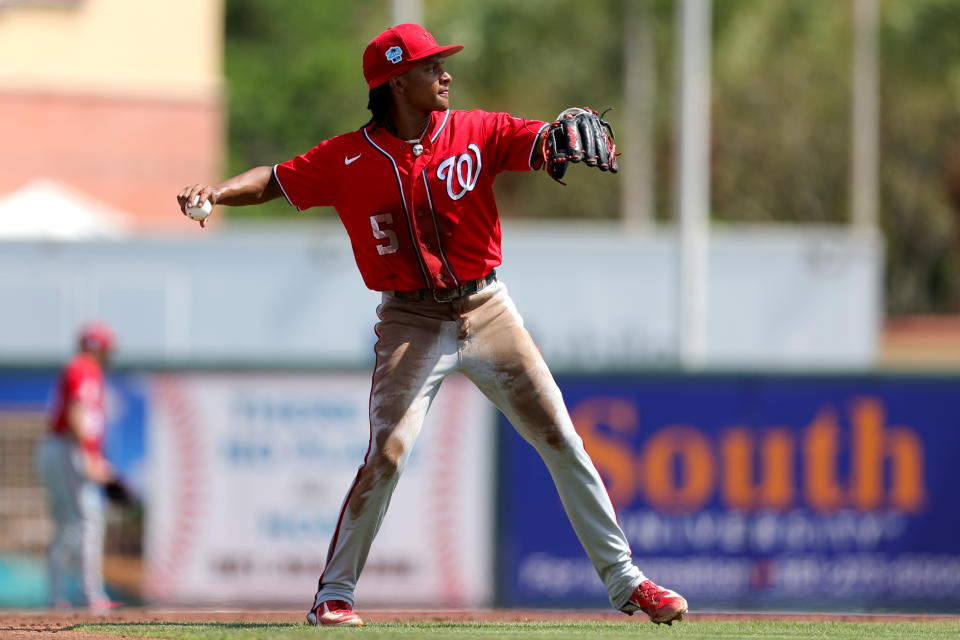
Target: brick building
(121,101)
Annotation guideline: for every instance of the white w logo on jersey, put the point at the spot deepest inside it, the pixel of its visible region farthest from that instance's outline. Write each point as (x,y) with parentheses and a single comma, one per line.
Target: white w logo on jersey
(460,166)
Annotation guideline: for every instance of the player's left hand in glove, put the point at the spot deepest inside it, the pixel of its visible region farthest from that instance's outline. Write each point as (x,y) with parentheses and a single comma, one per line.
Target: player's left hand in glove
(579,134)
(118,493)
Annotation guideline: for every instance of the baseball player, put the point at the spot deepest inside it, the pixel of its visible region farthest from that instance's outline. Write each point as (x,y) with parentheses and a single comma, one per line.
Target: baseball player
(70,463)
(414,189)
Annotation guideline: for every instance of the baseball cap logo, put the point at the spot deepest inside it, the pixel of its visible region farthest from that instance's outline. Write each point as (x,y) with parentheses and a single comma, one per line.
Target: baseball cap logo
(394,54)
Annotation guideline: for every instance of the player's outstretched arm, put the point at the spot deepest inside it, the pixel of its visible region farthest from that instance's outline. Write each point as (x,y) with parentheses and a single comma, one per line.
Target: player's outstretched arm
(250,187)
(539,155)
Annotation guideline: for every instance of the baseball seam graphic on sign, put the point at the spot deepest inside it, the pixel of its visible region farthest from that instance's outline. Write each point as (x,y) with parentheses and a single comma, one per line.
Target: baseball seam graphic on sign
(172,557)
(443,507)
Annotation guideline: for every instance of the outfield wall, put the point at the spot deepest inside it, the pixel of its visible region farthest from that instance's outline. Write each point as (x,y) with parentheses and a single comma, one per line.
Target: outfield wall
(248,473)
(746,492)
(595,297)
(741,491)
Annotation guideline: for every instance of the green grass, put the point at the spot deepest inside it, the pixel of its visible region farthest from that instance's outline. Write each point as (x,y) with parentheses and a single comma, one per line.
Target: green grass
(537,630)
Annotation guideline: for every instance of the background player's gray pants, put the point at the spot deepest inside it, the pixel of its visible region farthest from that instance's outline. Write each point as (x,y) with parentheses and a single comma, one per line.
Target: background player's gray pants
(482,336)
(76,506)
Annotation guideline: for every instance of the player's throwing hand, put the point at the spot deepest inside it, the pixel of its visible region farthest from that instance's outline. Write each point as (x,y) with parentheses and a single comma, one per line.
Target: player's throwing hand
(197,202)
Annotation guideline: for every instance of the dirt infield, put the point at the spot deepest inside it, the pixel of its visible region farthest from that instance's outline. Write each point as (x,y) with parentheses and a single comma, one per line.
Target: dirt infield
(51,625)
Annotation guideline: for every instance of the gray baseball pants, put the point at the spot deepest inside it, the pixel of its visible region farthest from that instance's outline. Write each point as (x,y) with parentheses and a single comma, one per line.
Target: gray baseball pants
(76,507)
(481,336)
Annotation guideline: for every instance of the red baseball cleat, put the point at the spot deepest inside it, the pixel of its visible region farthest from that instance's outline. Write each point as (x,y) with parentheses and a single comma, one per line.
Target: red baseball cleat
(104,606)
(334,613)
(662,605)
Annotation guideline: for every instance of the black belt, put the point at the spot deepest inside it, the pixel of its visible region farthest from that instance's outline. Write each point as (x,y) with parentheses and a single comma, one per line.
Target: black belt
(446,295)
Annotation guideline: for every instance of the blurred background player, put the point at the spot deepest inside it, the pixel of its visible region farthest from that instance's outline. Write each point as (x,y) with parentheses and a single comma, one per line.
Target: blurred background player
(71,465)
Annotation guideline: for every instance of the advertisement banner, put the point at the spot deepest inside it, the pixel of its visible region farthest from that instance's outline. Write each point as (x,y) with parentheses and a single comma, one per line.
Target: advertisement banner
(249,472)
(812,492)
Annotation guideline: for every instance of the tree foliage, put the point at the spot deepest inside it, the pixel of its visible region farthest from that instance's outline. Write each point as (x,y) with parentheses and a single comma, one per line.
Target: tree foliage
(294,78)
(780,106)
(920,161)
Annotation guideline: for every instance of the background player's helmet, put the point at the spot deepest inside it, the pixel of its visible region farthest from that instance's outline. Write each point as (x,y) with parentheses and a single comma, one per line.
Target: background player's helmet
(96,336)
(397,50)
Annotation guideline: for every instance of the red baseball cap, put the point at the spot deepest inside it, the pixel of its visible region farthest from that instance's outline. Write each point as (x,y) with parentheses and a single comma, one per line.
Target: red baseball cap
(96,336)
(397,50)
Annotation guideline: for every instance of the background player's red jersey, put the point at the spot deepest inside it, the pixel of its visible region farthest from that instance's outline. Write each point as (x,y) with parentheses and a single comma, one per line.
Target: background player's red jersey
(82,382)
(446,229)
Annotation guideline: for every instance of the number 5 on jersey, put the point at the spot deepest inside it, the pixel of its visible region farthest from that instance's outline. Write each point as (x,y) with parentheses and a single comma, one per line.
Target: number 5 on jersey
(384,234)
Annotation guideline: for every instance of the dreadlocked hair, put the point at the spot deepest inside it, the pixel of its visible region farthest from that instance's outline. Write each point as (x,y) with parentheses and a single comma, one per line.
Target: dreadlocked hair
(379,105)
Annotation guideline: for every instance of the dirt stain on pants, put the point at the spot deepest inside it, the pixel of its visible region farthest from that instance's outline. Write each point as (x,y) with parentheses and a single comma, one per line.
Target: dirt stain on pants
(483,337)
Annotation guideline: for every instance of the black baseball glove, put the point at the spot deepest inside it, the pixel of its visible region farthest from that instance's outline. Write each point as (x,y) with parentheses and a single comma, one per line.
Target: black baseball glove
(118,493)
(579,134)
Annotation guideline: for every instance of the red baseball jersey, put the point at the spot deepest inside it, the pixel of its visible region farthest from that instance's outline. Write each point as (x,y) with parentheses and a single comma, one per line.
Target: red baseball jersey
(82,382)
(417,221)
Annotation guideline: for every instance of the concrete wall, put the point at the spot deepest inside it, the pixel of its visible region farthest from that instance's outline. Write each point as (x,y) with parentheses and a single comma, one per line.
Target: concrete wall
(593,297)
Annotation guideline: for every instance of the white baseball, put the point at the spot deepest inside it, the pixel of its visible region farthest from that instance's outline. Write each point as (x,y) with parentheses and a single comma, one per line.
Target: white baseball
(201,212)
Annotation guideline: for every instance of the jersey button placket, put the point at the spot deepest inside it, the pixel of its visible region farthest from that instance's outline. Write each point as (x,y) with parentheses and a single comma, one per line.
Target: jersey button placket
(422,224)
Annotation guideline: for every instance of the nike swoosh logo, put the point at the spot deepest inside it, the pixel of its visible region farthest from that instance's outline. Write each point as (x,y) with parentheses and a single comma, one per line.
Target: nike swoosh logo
(347,160)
